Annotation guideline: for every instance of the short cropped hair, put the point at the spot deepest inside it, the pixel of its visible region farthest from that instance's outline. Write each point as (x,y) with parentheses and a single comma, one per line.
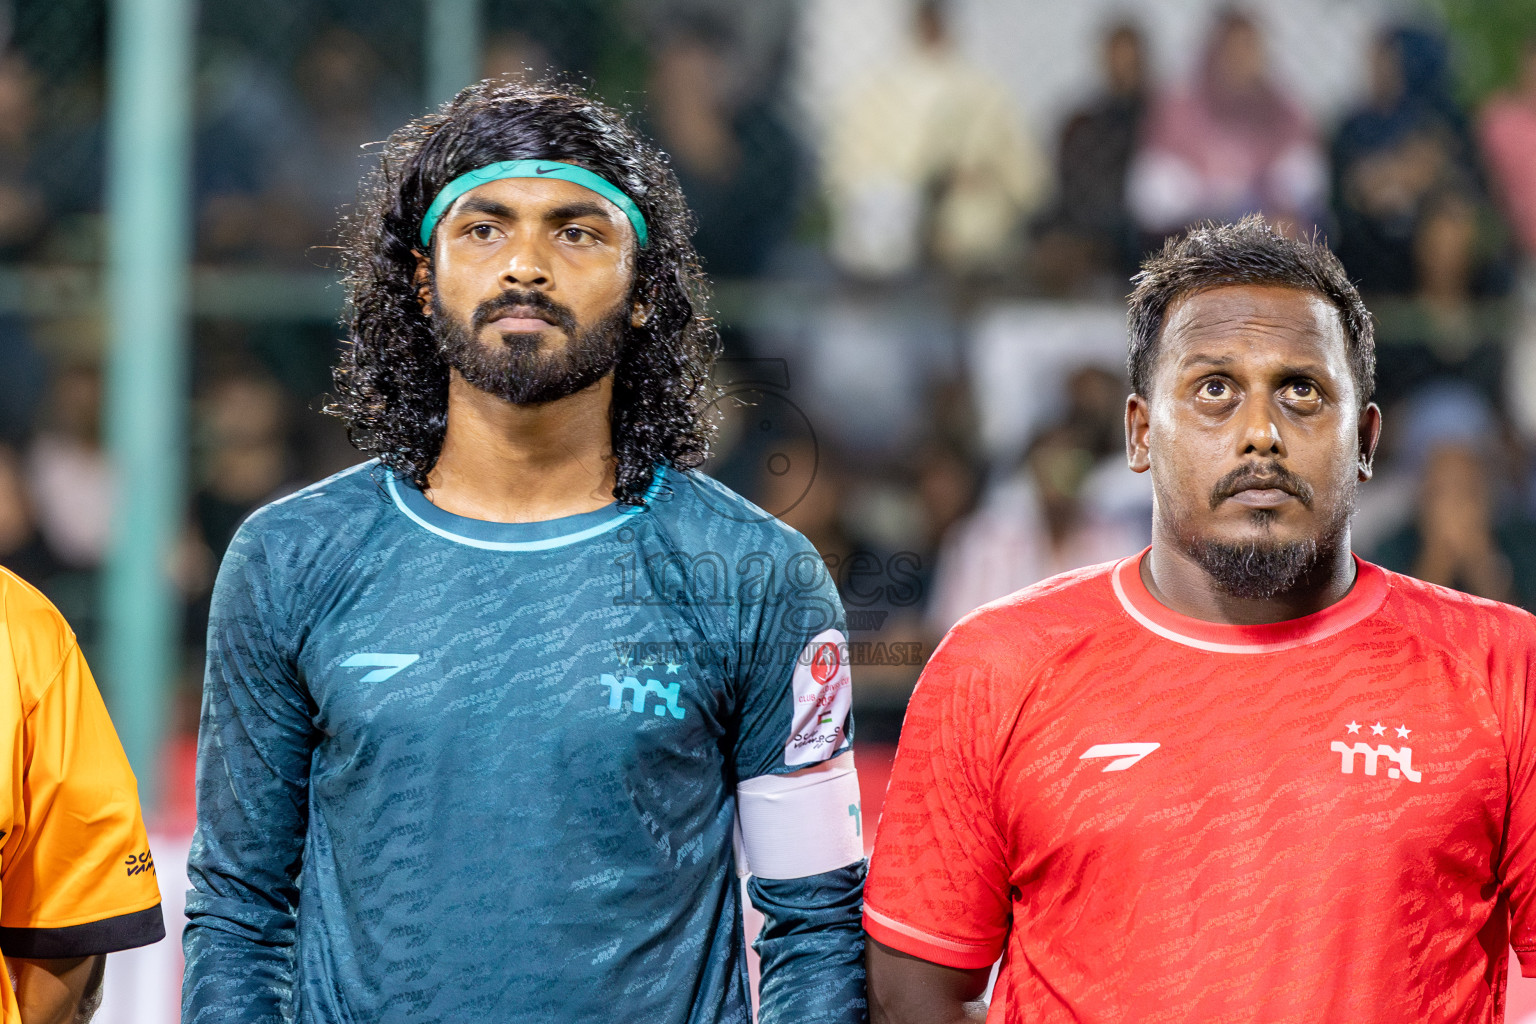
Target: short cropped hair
(1248,252)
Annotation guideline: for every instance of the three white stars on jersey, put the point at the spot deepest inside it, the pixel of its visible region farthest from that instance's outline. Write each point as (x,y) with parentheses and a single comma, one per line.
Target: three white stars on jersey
(1378,729)
(626,660)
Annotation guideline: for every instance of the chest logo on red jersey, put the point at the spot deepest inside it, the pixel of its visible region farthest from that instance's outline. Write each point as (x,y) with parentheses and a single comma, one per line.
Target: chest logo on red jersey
(1125,754)
(1400,758)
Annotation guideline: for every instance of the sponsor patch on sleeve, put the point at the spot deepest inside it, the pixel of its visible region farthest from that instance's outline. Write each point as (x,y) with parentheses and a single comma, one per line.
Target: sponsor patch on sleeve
(822,692)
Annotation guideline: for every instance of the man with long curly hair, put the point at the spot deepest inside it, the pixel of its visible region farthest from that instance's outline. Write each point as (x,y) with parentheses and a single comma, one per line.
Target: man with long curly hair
(483,715)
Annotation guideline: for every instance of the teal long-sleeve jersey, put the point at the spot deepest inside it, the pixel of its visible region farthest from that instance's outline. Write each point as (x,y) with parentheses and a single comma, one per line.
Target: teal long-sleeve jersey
(453,770)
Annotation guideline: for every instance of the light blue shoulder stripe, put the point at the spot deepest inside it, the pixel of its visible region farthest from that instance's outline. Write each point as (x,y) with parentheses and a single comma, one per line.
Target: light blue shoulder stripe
(528,545)
(318,487)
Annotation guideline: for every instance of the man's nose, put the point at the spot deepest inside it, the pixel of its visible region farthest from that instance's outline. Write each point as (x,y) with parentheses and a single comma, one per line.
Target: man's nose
(1261,431)
(526,266)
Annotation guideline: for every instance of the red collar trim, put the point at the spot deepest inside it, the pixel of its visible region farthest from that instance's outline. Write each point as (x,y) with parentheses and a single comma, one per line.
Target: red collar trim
(1364,598)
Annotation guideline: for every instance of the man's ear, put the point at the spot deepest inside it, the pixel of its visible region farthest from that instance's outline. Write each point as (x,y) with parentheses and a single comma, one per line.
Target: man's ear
(640,313)
(1370,433)
(1138,423)
(422,281)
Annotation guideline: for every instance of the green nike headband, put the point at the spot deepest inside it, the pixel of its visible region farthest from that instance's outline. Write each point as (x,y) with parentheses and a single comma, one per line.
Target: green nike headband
(531,169)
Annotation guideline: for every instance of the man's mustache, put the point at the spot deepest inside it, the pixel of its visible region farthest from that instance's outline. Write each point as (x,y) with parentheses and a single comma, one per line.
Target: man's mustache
(1258,477)
(494,309)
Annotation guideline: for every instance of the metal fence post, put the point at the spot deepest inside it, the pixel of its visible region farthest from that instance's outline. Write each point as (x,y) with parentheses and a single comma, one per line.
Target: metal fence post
(148,206)
(453,47)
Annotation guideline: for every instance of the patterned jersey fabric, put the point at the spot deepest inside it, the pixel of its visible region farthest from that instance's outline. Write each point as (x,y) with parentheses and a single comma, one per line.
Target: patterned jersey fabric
(459,770)
(1152,818)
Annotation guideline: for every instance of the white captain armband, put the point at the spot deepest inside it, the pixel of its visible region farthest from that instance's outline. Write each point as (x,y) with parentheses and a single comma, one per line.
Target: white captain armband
(793,826)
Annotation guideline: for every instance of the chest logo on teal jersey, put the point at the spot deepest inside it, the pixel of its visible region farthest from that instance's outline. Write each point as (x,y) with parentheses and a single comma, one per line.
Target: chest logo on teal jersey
(639,692)
(383,665)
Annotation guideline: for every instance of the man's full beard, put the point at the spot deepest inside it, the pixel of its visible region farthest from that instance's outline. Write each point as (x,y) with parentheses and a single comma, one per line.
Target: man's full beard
(1263,568)
(513,369)
(1257,570)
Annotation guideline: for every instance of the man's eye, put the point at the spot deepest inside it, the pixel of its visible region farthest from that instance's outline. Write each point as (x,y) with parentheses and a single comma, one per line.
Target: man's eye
(1303,391)
(575,234)
(482,232)
(1214,389)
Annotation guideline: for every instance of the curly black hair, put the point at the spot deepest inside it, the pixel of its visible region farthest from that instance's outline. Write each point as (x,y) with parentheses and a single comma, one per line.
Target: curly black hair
(392,381)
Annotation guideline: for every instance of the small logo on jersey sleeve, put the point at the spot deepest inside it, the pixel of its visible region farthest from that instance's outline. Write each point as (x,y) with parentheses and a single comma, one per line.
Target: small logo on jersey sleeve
(1399,758)
(139,863)
(383,665)
(822,692)
(1124,754)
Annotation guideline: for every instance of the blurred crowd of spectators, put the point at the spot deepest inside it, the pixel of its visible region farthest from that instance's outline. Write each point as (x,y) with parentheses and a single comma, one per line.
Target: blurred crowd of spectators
(926,192)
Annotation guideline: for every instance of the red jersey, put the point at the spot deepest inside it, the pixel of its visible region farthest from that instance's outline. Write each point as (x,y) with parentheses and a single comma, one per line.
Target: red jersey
(1152,818)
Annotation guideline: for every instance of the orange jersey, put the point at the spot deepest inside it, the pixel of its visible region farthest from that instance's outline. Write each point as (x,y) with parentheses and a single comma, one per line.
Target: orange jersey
(1152,818)
(76,875)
